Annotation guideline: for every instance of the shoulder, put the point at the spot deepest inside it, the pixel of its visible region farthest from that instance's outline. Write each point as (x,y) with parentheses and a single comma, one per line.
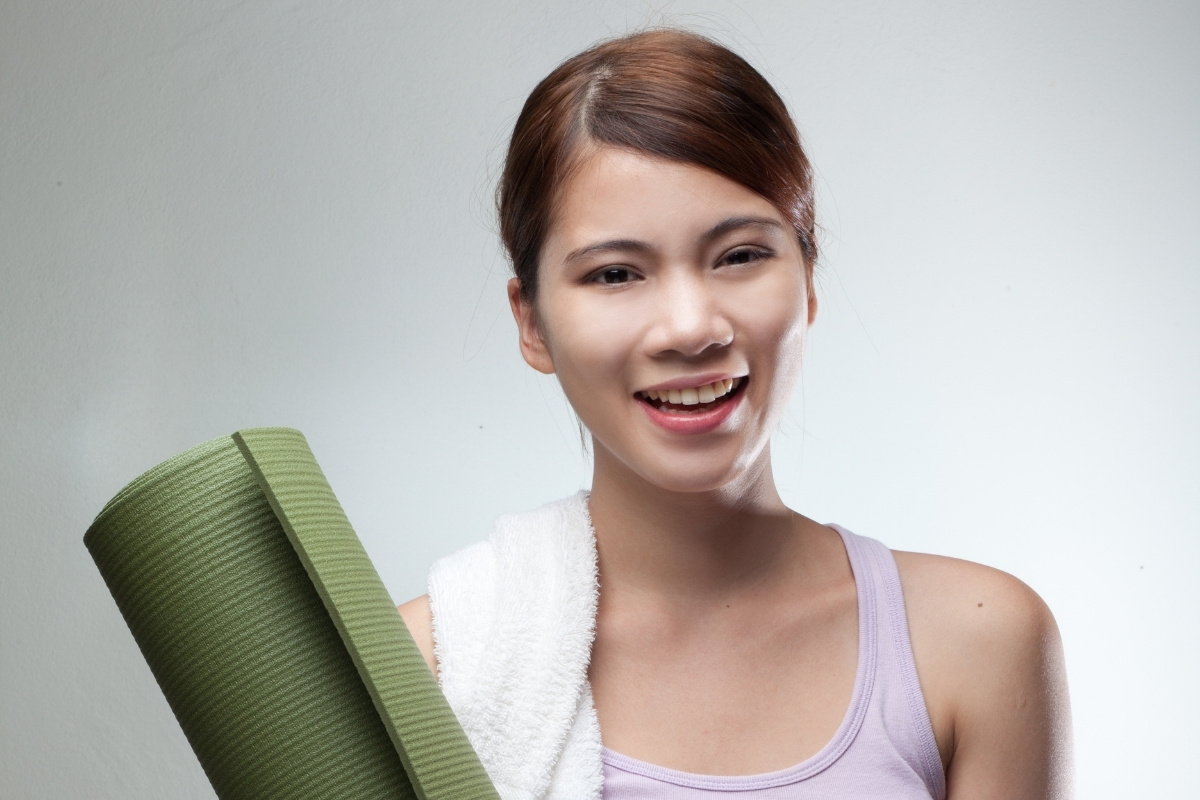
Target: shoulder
(988,606)
(972,627)
(540,560)
(458,583)
(465,572)
(418,618)
(989,659)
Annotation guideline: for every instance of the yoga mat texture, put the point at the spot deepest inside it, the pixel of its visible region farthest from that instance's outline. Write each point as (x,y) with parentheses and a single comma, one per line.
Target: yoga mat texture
(270,633)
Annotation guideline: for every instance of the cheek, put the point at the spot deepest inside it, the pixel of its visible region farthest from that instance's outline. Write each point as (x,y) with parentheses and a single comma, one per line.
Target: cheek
(778,317)
(589,347)
(777,330)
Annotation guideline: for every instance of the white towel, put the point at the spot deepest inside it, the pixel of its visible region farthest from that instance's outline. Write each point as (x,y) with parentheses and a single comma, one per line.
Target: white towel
(513,622)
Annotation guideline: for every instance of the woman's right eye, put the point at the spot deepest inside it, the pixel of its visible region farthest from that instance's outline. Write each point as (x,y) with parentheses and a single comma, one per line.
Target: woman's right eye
(613,275)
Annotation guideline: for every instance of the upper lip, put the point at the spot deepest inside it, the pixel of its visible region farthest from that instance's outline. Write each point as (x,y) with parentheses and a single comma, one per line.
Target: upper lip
(691,381)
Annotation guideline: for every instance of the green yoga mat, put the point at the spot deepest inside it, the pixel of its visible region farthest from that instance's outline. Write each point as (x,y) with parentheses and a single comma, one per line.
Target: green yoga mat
(270,633)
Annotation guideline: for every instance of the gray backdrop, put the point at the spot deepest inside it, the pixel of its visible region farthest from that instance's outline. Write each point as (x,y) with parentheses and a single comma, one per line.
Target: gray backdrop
(222,214)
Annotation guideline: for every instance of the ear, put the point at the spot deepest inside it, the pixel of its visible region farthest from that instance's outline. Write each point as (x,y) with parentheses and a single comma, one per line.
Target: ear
(533,346)
(811,288)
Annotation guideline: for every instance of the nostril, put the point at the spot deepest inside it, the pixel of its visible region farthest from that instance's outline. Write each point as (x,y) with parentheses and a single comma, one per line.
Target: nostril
(690,329)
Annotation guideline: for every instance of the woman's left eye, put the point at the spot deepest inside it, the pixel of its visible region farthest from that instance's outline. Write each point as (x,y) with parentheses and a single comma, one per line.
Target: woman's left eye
(744,256)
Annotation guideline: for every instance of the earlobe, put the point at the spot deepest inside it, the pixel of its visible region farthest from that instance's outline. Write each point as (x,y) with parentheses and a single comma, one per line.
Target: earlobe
(812,305)
(529,333)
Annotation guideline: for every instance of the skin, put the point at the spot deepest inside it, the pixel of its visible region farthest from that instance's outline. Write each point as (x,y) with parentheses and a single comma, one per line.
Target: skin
(711,588)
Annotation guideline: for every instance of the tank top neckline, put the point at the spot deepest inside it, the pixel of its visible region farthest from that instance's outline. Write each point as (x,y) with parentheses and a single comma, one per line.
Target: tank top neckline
(864,679)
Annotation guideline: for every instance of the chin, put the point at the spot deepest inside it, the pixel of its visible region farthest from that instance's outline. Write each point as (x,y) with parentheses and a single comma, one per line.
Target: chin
(691,470)
(703,477)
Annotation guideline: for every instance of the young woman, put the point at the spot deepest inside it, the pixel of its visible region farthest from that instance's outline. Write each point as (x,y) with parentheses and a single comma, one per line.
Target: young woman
(678,632)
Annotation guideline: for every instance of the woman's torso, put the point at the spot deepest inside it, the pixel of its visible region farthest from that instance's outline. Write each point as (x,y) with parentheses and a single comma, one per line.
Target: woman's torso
(513,620)
(884,746)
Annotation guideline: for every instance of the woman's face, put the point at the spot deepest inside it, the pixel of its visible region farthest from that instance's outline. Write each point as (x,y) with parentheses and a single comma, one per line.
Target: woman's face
(673,305)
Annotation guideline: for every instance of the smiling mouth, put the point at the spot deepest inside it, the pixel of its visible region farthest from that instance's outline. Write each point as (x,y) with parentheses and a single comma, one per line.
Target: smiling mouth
(694,400)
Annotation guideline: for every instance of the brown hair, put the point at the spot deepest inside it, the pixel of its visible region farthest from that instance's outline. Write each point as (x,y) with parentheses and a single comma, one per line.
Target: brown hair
(668,93)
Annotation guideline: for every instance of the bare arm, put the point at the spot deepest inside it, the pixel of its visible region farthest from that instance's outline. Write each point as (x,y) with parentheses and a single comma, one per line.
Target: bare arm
(418,617)
(990,662)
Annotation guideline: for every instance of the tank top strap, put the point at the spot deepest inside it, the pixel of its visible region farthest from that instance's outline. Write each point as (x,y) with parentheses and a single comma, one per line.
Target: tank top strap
(897,697)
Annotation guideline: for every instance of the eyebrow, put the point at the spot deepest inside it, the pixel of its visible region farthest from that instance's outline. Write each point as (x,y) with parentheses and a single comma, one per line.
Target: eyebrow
(634,245)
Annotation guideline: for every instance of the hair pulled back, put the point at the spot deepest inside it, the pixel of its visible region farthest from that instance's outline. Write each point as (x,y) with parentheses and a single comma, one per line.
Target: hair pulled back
(668,93)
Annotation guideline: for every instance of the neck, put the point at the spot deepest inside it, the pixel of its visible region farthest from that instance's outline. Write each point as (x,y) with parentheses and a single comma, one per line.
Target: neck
(690,545)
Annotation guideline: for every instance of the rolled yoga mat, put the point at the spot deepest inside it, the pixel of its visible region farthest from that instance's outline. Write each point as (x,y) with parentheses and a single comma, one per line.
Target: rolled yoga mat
(270,633)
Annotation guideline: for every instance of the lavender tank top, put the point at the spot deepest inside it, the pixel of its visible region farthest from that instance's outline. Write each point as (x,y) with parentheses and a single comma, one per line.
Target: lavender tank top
(884,747)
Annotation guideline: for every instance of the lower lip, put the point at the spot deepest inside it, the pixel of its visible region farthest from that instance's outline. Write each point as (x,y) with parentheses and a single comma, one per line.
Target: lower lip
(693,422)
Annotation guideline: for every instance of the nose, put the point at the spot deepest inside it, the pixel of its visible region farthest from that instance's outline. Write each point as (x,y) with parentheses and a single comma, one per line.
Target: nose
(688,318)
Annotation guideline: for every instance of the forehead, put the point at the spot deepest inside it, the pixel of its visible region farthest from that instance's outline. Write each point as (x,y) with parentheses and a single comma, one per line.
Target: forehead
(614,192)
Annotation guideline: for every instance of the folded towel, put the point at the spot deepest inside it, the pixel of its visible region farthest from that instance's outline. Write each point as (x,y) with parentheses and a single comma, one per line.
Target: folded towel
(513,619)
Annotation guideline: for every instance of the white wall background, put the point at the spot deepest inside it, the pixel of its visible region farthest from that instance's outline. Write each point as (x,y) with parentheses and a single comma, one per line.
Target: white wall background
(219,214)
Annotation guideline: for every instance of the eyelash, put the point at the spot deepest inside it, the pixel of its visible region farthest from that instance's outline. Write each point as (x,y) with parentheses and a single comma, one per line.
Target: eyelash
(755,253)
(597,277)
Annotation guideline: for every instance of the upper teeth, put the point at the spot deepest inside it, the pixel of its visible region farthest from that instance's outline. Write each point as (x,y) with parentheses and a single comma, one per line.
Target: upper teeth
(699,394)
